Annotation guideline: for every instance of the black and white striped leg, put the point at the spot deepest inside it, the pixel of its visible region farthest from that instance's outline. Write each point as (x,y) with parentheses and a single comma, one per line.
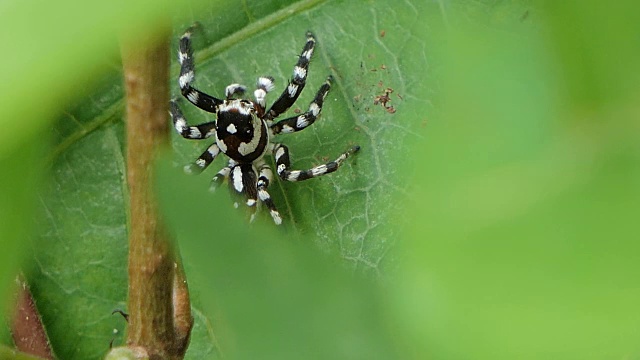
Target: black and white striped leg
(283,164)
(297,123)
(187,76)
(263,86)
(297,82)
(221,176)
(243,181)
(203,160)
(196,132)
(234,89)
(265,177)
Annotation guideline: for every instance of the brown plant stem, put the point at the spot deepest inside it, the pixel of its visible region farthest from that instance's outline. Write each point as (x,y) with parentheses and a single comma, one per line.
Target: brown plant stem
(27,329)
(152,258)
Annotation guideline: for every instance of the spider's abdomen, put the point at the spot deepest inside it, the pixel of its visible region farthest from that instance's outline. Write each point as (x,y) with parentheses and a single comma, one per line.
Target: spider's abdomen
(239,132)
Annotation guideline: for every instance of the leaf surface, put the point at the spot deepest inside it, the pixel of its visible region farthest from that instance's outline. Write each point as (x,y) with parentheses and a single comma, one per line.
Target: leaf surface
(80,256)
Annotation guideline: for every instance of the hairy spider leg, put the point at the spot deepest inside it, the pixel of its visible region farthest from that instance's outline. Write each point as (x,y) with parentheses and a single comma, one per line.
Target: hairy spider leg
(297,123)
(283,164)
(222,175)
(263,86)
(265,177)
(204,160)
(234,89)
(187,77)
(297,82)
(196,132)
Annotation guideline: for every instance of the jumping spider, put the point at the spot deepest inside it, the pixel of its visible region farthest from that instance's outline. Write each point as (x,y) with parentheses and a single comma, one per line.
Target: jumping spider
(244,128)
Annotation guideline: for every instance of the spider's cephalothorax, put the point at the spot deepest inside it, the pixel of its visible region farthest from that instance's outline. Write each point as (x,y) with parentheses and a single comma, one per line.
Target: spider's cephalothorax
(240,133)
(244,127)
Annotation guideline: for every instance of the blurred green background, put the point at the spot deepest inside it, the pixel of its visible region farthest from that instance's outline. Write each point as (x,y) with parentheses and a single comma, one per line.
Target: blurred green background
(491,216)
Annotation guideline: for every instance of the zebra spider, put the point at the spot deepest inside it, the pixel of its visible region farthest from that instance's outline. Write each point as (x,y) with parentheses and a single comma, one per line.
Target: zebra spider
(244,128)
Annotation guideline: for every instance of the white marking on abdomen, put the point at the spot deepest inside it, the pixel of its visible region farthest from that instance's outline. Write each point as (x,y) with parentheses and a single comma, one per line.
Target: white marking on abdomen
(247,148)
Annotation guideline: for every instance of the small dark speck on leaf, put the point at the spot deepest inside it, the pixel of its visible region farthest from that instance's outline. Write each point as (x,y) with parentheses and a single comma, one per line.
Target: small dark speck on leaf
(382,33)
(384,99)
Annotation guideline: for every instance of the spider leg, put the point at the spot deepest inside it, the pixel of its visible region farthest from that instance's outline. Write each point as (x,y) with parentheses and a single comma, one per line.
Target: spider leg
(265,177)
(281,154)
(219,178)
(234,89)
(187,76)
(263,86)
(243,181)
(297,123)
(297,82)
(204,160)
(197,132)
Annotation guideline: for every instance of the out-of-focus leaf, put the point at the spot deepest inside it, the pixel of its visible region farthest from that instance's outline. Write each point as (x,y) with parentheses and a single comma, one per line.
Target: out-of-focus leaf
(10,354)
(272,297)
(17,197)
(523,242)
(597,45)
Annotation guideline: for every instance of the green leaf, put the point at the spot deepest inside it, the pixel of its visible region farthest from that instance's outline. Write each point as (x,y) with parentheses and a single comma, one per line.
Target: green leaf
(528,194)
(79,273)
(274,297)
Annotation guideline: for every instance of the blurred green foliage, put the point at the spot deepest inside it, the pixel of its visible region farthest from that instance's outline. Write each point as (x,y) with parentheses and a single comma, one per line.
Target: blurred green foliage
(526,244)
(493,213)
(8,353)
